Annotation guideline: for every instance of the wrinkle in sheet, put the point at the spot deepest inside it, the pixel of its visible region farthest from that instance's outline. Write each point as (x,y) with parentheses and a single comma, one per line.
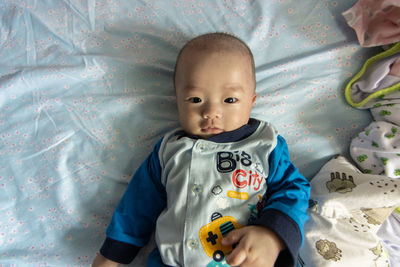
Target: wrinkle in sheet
(78,16)
(38,118)
(31,55)
(60,141)
(78,121)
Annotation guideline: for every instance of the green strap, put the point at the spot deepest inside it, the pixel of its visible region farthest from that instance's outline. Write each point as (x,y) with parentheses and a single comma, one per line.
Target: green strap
(393,50)
(398,209)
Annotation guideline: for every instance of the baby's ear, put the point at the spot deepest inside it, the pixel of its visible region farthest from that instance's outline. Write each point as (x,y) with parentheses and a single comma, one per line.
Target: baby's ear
(254,98)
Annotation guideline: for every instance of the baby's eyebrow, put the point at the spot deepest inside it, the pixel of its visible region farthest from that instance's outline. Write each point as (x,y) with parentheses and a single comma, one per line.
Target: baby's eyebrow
(235,88)
(231,88)
(191,88)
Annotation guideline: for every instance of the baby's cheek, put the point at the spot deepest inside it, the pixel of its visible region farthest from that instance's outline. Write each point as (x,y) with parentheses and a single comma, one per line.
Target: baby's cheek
(236,121)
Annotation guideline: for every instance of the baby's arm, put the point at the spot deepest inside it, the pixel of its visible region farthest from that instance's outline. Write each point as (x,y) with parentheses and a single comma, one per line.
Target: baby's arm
(100,261)
(133,221)
(282,216)
(255,246)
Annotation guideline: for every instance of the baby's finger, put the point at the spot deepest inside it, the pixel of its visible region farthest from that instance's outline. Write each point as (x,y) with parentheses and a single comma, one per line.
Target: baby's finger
(237,257)
(232,238)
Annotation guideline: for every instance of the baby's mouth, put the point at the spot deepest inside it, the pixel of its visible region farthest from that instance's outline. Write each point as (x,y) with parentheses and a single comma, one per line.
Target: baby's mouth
(211,130)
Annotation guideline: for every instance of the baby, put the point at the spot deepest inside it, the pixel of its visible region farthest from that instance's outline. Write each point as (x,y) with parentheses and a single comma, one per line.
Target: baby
(221,188)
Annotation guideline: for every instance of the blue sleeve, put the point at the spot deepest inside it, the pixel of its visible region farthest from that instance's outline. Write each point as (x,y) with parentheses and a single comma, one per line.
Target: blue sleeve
(285,202)
(135,218)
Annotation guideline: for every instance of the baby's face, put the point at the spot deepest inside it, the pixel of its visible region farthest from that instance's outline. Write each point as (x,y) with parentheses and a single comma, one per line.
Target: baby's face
(215,92)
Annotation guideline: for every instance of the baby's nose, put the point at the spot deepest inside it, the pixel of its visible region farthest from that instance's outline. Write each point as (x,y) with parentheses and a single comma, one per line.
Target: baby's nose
(211,111)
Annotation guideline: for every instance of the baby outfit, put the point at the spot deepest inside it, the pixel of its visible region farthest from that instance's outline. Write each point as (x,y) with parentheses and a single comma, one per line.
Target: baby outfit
(377,149)
(193,192)
(376,86)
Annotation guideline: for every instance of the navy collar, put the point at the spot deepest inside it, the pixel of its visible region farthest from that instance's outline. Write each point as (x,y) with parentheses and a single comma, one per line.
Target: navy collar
(231,136)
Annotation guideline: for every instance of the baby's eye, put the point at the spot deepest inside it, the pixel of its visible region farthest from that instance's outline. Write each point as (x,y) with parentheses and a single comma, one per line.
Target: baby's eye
(231,100)
(194,100)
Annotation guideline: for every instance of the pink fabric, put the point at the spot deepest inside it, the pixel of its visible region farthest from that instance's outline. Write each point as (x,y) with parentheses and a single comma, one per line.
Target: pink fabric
(395,68)
(376,22)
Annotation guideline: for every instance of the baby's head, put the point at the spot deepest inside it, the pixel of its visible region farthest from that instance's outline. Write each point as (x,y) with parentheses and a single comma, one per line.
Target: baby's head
(215,84)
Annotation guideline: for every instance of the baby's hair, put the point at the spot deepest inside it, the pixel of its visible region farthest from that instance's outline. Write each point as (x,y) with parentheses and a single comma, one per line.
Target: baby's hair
(217,42)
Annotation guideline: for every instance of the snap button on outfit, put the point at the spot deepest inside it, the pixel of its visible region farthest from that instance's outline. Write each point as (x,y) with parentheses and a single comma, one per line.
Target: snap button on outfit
(193,243)
(197,189)
(201,147)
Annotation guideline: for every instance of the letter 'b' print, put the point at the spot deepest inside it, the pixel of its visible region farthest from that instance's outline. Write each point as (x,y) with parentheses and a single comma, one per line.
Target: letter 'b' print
(225,162)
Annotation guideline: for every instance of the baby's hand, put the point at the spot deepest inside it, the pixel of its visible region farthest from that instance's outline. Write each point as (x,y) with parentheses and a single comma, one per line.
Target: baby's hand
(255,246)
(100,261)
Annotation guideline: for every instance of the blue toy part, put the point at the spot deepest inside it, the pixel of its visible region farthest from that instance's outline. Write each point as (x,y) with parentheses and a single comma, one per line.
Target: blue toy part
(218,264)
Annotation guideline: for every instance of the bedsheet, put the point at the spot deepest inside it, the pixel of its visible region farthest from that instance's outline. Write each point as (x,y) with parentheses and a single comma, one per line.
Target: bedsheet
(86,91)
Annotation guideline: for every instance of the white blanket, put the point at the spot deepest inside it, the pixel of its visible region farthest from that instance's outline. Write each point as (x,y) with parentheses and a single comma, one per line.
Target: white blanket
(346,211)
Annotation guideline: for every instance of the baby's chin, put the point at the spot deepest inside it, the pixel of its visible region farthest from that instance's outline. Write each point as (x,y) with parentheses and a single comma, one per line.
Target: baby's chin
(207,136)
(203,136)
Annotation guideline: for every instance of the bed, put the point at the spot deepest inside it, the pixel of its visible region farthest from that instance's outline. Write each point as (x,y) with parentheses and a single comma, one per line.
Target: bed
(86,91)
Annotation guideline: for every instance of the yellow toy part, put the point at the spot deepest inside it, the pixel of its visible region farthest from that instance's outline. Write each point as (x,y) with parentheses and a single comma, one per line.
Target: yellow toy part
(212,234)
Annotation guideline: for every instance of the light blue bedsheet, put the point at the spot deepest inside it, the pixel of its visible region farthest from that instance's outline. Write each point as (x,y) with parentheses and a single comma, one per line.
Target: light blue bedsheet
(86,91)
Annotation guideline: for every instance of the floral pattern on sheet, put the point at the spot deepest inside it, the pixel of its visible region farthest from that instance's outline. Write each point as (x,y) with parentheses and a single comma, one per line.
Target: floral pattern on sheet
(86,90)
